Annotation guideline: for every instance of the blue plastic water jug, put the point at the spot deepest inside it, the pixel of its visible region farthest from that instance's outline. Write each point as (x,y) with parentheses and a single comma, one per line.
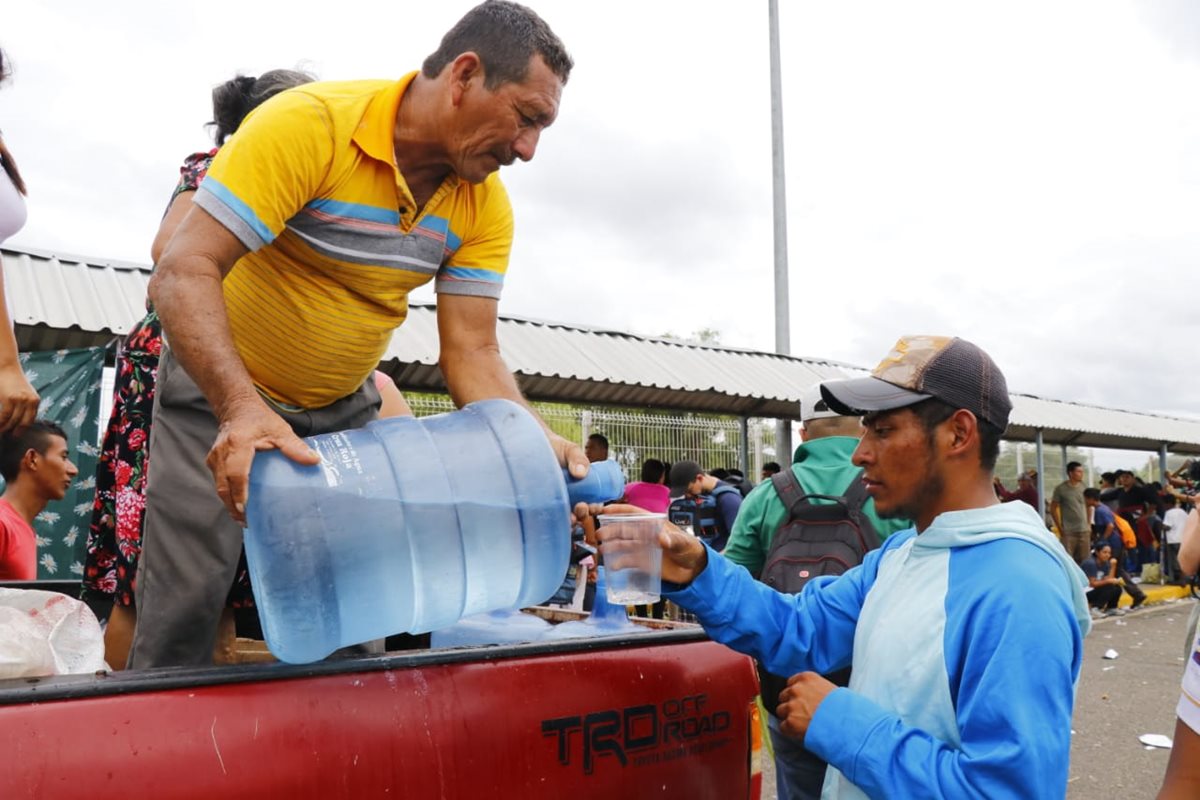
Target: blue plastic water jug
(605,481)
(406,525)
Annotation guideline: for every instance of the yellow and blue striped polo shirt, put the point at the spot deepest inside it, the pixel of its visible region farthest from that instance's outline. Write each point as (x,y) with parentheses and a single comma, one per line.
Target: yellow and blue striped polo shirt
(310,185)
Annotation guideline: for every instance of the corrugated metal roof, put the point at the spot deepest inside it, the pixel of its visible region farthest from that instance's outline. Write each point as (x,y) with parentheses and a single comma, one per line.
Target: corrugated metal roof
(63,301)
(60,301)
(1092,426)
(571,363)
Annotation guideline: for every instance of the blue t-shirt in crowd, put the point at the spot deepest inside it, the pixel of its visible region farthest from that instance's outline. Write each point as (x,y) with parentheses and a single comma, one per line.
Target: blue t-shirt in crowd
(1103,517)
(1093,569)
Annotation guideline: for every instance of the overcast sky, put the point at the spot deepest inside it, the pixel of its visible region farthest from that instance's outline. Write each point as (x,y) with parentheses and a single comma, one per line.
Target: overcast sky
(1025,175)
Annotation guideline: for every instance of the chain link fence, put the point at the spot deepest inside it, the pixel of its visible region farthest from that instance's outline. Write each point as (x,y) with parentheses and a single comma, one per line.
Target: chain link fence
(633,436)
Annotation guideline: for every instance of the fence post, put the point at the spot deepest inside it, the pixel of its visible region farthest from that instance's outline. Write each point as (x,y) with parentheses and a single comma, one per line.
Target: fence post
(744,449)
(1041,468)
(585,425)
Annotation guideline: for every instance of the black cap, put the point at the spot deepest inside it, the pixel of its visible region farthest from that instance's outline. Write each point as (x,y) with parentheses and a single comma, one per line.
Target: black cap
(682,473)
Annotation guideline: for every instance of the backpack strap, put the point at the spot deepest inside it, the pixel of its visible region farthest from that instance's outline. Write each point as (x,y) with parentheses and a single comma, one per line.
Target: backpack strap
(788,487)
(856,497)
(800,503)
(856,493)
(723,489)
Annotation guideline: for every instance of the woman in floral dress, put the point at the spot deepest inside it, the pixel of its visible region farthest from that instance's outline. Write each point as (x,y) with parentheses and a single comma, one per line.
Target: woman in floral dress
(115,537)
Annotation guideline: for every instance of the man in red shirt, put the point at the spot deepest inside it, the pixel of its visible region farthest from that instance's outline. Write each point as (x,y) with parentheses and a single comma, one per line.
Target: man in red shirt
(36,468)
(1026,491)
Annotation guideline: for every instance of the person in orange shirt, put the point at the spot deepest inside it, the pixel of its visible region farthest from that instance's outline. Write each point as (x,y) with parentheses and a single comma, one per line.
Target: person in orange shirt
(36,468)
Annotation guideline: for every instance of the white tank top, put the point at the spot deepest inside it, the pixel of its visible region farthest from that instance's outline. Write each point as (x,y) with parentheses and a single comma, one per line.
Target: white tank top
(12,207)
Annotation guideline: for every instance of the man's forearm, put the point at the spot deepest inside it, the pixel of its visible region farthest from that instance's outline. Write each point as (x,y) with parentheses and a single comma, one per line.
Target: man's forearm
(1189,550)
(191,306)
(480,375)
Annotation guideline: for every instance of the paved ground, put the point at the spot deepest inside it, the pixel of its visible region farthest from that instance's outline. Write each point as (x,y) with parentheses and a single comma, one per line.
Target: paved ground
(1118,700)
(1123,698)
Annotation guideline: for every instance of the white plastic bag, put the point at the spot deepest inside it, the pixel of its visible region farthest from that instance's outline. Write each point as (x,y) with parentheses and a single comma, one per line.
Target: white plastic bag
(47,633)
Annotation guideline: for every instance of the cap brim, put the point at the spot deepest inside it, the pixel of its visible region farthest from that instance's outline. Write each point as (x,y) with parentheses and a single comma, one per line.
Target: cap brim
(856,396)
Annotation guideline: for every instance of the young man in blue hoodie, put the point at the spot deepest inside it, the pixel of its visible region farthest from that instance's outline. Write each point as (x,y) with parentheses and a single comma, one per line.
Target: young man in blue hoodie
(965,632)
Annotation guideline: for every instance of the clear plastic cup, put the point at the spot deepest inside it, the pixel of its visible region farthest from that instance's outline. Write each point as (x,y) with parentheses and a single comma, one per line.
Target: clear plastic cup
(632,557)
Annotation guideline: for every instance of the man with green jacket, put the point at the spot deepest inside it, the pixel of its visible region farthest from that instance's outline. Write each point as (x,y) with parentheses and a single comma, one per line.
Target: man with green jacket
(822,465)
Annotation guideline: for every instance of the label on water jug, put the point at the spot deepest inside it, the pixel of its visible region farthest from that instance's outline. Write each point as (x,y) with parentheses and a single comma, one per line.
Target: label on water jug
(339,458)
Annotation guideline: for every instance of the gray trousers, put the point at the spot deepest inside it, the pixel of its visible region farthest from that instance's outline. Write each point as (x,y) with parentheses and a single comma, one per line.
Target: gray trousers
(190,545)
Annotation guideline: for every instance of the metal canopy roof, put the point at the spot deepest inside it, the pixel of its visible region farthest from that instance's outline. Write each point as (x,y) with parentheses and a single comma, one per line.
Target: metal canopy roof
(567,363)
(1080,425)
(64,302)
(61,302)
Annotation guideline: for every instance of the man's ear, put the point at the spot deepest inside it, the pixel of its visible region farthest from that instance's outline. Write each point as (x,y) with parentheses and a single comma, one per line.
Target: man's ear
(962,432)
(30,461)
(464,69)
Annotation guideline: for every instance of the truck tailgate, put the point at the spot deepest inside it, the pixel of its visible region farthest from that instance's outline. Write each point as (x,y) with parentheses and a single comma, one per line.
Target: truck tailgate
(657,715)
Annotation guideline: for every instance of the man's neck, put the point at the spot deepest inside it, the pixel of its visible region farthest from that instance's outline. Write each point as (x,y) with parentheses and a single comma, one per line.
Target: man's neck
(964,497)
(417,140)
(24,500)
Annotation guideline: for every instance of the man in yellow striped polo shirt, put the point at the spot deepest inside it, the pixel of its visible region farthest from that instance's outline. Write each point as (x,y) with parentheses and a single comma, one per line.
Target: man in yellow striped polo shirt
(279,294)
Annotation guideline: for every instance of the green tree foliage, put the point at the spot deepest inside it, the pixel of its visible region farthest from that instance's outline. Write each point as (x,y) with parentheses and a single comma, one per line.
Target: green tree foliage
(708,336)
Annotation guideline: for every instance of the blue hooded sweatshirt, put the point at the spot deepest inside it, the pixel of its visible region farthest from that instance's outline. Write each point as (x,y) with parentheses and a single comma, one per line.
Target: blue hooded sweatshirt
(966,642)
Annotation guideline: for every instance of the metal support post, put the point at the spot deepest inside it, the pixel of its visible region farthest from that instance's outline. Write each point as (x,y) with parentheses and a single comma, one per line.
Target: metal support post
(783,336)
(744,450)
(1041,468)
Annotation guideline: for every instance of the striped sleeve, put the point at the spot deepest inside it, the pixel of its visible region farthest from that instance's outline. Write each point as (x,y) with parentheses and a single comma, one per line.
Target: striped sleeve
(477,265)
(270,168)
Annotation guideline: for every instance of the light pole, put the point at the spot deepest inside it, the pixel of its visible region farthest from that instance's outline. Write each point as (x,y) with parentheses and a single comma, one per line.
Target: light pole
(783,337)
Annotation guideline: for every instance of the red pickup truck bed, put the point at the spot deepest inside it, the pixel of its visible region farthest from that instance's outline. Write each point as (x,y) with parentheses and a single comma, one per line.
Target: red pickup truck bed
(662,714)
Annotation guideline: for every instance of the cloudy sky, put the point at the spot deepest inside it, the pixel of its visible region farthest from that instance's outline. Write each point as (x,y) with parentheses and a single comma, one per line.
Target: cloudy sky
(1022,174)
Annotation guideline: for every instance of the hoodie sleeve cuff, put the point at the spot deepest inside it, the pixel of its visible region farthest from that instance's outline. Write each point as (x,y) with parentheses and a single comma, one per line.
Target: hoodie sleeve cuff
(841,726)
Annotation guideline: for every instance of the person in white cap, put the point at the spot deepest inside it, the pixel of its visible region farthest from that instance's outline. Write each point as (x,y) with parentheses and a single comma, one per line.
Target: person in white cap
(965,632)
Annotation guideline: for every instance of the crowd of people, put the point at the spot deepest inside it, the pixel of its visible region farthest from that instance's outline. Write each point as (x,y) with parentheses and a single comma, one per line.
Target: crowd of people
(871,577)
(1122,532)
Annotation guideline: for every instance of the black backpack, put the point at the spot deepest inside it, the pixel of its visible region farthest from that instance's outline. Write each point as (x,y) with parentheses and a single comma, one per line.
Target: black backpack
(814,540)
(704,516)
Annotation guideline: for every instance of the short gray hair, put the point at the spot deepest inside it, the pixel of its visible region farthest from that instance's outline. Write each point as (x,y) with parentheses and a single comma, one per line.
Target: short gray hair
(505,36)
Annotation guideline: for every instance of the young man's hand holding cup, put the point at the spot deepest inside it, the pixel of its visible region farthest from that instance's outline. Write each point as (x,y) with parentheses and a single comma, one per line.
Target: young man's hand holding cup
(684,557)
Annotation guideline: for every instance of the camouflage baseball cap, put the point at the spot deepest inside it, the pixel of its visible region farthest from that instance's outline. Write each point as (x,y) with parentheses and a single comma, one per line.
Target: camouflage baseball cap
(920,367)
